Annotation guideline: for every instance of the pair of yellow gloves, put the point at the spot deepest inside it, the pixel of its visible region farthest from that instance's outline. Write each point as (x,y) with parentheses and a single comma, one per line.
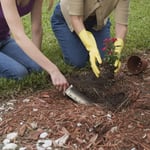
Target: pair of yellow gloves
(89,42)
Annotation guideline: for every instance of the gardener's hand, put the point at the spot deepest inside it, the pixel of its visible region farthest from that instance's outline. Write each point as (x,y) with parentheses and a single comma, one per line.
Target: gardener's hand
(119,44)
(58,80)
(89,42)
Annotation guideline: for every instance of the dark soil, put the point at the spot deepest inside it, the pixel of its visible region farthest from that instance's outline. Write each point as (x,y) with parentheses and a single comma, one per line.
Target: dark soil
(118,118)
(112,91)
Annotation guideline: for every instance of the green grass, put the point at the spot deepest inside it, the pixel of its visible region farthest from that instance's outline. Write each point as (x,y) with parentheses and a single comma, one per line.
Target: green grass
(138,39)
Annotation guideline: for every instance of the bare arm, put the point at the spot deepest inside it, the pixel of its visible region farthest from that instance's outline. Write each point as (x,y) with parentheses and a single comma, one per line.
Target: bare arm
(15,24)
(77,23)
(121,31)
(121,18)
(36,24)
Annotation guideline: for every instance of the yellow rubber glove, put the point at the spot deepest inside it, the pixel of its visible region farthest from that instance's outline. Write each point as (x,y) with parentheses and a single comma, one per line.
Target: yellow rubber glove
(119,44)
(89,42)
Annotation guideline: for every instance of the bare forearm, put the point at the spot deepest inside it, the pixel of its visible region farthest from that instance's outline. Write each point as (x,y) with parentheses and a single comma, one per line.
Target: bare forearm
(37,37)
(121,31)
(77,23)
(33,52)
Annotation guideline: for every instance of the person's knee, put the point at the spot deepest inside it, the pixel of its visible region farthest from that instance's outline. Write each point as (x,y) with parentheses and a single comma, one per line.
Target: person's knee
(20,74)
(37,68)
(15,73)
(34,68)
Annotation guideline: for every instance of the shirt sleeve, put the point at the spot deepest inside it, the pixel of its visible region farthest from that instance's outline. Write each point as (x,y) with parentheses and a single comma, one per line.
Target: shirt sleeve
(122,12)
(76,7)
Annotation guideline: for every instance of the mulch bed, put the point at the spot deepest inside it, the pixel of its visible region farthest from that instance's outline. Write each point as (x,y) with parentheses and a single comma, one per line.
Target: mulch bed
(107,125)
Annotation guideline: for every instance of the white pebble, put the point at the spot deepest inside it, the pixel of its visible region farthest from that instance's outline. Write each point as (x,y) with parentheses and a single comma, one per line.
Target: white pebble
(22,148)
(44,144)
(34,125)
(9,108)
(43,135)
(21,123)
(13,100)
(35,109)
(10,104)
(39,145)
(26,100)
(6,141)
(2,108)
(133,148)
(62,140)
(49,148)
(10,146)
(114,129)
(108,116)
(93,116)
(79,124)
(12,136)
(1,119)
(47,143)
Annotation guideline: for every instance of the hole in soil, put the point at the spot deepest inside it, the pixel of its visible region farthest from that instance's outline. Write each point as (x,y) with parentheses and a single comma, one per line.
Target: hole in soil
(116,98)
(115,93)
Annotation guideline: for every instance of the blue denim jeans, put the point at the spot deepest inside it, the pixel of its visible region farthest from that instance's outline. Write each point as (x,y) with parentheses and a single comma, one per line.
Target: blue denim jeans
(74,52)
(14,63)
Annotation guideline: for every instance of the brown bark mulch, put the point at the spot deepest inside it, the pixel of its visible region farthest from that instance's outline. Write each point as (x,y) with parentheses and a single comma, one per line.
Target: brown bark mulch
(119,121)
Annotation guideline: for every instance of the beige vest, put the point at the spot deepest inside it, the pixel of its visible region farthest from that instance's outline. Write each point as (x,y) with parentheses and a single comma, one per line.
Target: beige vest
(100,8)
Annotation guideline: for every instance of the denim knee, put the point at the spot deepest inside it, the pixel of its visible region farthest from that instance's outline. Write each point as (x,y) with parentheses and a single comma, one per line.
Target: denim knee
(20,74)
(34,68)
(16,74)
(76,62)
